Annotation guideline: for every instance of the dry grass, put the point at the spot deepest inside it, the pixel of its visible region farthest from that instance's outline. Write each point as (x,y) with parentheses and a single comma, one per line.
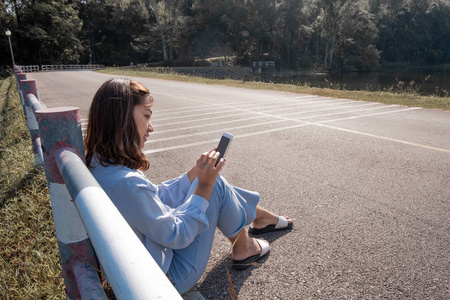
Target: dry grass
(400,94)
(29,256)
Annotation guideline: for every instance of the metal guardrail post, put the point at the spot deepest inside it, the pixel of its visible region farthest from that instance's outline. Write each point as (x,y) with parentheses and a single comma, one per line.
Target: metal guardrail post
(61,128)
(34,129)
(29,87)
(20,76)
(29,90)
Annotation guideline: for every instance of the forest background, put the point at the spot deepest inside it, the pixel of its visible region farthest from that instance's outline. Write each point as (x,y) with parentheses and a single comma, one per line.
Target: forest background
(319,35)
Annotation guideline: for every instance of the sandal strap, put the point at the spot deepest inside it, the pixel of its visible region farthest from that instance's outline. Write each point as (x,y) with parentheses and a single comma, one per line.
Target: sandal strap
(282,222)
(265,247)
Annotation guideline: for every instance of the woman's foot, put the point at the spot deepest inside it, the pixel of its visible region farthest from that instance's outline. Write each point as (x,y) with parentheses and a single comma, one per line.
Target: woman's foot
(244,250)
(245,263)
(283,223)
(262,223)
(269,221)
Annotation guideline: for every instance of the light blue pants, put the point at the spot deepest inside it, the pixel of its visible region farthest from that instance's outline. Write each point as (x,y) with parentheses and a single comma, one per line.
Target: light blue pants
(230,209)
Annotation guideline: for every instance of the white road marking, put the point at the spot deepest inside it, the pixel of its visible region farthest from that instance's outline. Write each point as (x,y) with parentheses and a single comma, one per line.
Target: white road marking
(321,123)
(212,131)
(386,138)
(158,131)
(282,105)
(182,146)
(237,103)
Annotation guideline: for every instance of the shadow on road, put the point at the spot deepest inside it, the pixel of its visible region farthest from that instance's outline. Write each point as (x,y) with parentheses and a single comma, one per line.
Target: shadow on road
(223,282)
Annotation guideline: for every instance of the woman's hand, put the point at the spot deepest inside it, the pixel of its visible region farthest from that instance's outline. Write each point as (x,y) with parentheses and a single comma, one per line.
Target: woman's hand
(206,173)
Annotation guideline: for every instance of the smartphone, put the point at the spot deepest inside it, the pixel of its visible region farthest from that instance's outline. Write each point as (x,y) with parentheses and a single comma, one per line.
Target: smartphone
(224,143)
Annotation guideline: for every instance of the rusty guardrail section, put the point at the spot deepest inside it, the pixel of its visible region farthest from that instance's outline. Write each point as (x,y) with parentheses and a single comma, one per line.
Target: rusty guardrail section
(89,228)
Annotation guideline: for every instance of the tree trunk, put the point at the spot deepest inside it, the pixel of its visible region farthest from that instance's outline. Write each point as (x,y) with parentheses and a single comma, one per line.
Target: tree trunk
(164,49)
(18,15)
(317,48)
(332,49)
(163,40)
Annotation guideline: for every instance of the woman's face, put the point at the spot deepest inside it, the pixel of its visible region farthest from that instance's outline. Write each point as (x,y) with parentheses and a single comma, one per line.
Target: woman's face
(141,115)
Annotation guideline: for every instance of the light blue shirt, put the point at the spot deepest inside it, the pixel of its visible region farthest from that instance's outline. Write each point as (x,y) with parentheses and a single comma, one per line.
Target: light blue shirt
(164,217)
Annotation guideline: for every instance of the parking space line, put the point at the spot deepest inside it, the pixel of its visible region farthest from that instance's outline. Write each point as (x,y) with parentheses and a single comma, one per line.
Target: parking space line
(266,104)
(243,103)
(213,131)
(345,112)
(203,119)
(385,138)
(321,124)
(278,108)
(157,131)
(182,146)
(283,104)
(368,115)
(341,106)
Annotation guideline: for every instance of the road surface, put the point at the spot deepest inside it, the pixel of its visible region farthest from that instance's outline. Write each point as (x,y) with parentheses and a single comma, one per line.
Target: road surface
(368,184)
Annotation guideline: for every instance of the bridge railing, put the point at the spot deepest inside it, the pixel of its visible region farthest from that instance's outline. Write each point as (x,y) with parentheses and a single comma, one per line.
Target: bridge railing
(89,228)
(36,68)
(28,68)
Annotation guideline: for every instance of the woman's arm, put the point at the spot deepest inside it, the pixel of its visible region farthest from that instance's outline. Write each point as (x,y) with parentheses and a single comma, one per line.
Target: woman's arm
(137,200)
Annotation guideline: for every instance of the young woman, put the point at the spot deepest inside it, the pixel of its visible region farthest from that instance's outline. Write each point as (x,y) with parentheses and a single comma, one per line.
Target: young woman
(176,220)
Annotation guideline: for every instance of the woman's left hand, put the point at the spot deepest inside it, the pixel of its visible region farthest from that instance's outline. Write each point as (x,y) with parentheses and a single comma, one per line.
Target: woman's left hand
(206,169)
(192,173)
(206,172)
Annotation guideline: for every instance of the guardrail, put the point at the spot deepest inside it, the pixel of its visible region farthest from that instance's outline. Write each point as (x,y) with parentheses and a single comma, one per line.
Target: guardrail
(30,68)
(35,68)
(89,228)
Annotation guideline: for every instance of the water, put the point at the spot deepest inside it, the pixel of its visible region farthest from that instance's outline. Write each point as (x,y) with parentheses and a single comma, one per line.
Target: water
(423,82)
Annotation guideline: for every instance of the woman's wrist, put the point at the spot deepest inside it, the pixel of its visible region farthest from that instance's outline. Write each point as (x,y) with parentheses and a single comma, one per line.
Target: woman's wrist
(191,174)
(204,190)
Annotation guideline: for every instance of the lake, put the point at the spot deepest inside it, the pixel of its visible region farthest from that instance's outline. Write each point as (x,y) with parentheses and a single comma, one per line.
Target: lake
(424,82)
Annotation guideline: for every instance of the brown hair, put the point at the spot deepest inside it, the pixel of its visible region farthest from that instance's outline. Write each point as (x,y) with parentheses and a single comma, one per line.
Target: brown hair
(111,134)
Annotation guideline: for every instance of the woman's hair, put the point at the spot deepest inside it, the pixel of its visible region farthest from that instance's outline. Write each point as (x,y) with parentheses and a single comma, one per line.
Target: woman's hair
(111,134)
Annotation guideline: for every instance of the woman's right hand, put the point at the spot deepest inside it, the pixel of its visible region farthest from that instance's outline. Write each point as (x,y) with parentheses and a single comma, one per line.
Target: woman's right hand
(207,172)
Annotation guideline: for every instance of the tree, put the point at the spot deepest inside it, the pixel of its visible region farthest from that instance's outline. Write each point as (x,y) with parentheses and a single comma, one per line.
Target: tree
(331,17)
(110,29)
(348,32)
(221,28)
(297,34)
(355,48)
(439,49)
(47,31)
(164,20)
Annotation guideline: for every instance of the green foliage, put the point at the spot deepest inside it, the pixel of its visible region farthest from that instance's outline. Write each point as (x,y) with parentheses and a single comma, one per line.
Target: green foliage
(296,34)
(417,33)
(109,30)
(355,47)
(45,32)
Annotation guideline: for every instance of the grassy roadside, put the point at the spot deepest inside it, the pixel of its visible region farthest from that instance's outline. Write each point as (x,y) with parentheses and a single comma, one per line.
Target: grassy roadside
(29,257)
(401,94)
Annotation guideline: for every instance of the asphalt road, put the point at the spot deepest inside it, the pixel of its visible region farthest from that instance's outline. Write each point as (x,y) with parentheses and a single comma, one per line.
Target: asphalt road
(367,184)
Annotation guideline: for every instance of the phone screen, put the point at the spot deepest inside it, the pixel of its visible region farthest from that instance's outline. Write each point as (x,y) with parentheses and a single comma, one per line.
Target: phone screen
(224,143)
